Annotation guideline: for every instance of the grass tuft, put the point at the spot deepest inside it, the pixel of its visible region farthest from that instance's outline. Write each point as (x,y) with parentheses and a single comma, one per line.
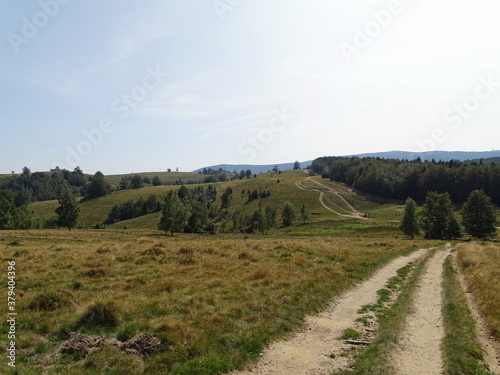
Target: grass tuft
(126,332)
(99,315)
(112,361)
(49,301)
(351,334)
(95,272)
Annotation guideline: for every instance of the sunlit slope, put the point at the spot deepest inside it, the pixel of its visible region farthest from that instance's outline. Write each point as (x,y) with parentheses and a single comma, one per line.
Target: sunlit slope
(282,187)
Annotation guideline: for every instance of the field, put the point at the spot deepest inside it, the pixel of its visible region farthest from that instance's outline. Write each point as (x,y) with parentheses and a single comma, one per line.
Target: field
(213,301)
(212,304)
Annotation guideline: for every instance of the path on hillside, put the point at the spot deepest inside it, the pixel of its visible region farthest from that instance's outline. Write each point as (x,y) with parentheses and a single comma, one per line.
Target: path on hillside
(308,352)
(351,213)
(419,348)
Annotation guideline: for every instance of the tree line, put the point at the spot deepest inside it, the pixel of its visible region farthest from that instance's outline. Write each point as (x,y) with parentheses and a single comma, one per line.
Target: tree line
(179,214)
(399,179)
(132,209)
(38,186)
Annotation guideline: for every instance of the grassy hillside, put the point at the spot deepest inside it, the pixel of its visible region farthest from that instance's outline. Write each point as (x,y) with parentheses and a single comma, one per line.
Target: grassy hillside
(96,211)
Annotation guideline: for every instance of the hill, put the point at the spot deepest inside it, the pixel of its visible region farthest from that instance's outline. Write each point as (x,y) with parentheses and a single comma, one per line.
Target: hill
(327,202)
(254,167)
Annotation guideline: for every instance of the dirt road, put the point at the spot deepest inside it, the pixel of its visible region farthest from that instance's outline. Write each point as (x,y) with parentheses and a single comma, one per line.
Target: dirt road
(351,212)
(308,353)
(419,350)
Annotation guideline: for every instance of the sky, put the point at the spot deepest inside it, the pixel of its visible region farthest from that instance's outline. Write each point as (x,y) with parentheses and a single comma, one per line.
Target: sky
(131,86)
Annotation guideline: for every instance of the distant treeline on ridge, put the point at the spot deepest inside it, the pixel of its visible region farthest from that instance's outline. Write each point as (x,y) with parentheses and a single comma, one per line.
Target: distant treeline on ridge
(400,179)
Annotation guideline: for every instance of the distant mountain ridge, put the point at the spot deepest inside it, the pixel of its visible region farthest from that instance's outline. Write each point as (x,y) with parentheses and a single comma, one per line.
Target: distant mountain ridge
(409,155)
(255,168)
(436,155)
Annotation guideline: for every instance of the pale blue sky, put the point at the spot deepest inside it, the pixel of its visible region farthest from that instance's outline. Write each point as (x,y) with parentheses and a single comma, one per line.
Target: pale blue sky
(190,83)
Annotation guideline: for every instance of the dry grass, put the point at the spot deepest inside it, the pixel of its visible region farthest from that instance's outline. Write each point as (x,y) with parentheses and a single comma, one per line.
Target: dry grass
(462,351)
(480,266)
(214,301)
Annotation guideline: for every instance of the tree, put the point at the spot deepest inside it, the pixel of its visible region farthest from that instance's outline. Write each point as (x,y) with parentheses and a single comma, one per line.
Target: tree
(198,220)
(258,221)
(409,224)
(211,193)
(68,210)
(156,181)
(304,212)
(136,182)
(183,192)
(7,211)
(296,165)
(98,187)
(175,214)
(124,184)
(248,173)
(226,198)
(439,221)
(237,219)
(478,215)
(288,214)
(271,214)
(26,170)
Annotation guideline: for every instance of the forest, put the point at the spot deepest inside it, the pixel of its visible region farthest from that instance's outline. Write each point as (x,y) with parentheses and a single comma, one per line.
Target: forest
(400,179)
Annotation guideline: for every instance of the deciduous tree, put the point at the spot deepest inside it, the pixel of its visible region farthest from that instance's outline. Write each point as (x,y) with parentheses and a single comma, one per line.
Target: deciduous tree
(68,209)
(98,187)
(156,181)
(478,215)
(175,214)
(409,224)
(288,214)
(439,221)
(7,211)
(136,182)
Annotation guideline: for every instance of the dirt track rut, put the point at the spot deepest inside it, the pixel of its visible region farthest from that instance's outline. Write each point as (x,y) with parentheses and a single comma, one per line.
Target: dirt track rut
(307,353)
(419,349)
